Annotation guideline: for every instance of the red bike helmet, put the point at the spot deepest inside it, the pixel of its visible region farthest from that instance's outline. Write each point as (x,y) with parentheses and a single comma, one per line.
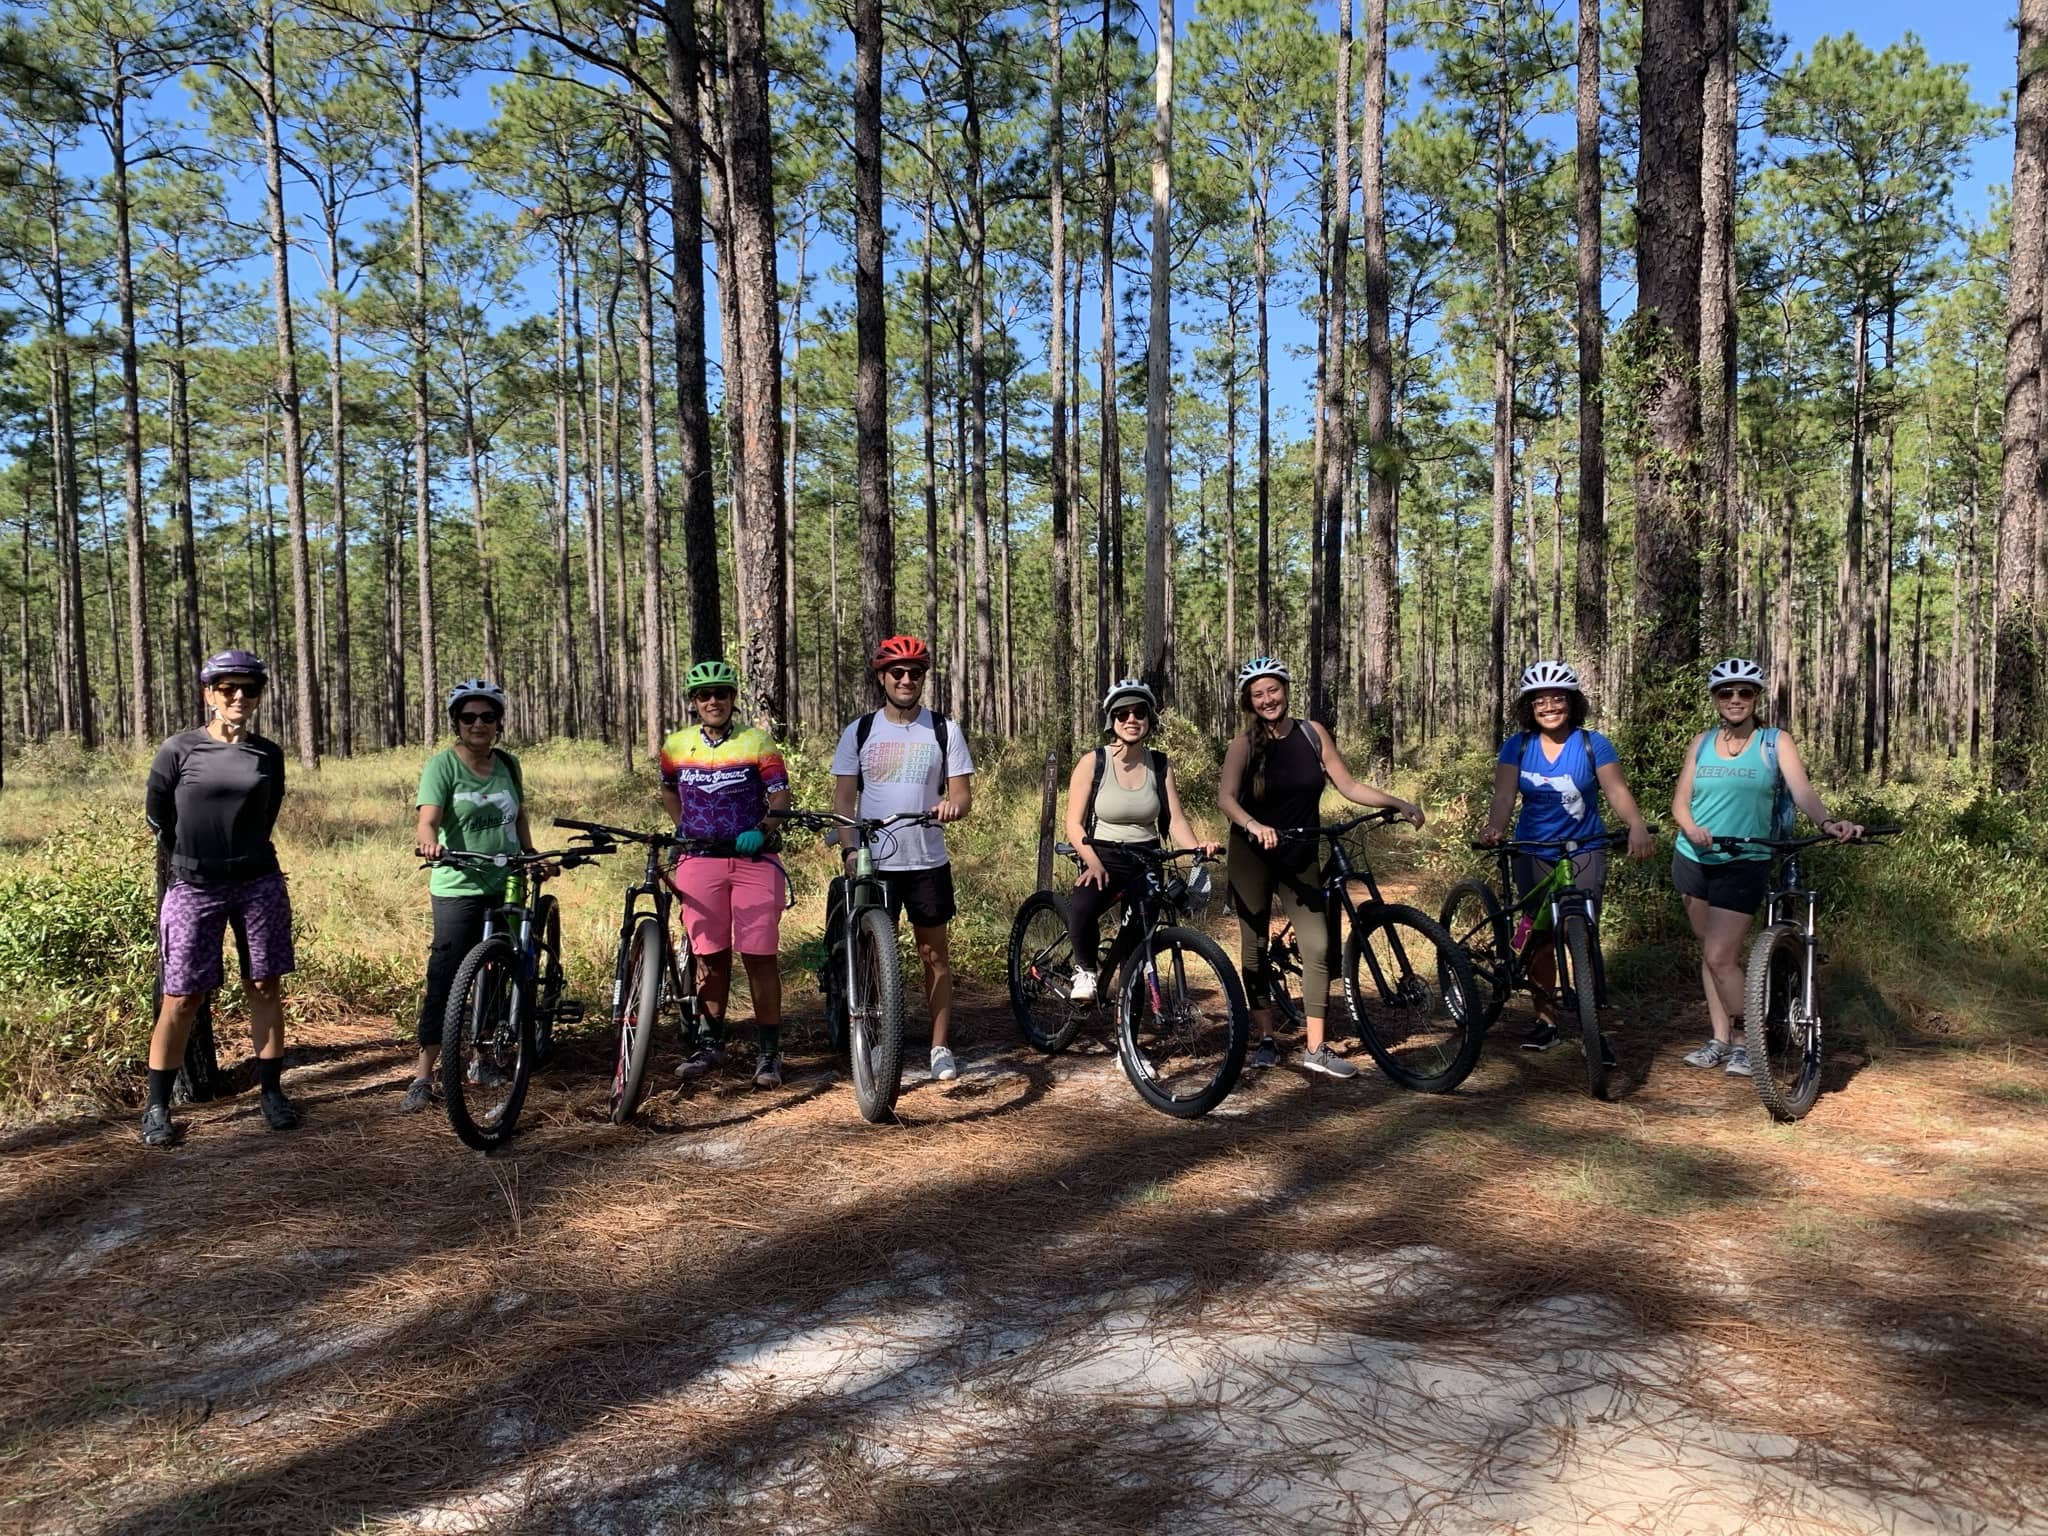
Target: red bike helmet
(902,651)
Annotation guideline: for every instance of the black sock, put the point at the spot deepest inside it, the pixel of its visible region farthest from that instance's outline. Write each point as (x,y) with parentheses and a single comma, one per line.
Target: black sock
(161,1081)
(712,1032)
(771,1039)
(269,1069)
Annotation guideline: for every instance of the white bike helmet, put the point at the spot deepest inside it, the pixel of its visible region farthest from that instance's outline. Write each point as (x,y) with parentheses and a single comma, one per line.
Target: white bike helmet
(1736,669)
(1545,675)
(475,688)
(1262,666)
(1129,688)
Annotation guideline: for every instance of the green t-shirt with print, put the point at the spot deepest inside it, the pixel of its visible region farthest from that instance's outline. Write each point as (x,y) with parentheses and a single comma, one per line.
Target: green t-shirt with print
(479,814)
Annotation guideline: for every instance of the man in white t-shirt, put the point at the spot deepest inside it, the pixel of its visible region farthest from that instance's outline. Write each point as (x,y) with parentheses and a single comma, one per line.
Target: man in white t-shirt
(903,757)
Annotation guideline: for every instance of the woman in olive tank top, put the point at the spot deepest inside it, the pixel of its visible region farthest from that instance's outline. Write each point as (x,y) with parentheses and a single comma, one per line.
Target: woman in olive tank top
(1132,801)
(1273,776)
(1729,788)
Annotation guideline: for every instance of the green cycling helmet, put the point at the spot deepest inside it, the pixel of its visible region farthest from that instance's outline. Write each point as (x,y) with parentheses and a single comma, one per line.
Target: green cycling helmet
(716,673)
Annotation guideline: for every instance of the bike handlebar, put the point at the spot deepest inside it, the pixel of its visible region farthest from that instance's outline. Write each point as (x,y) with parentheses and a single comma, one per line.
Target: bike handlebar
(1614,839)
(1791,844)
(1139,850)
(567,858)
(606,834)
(1336,829)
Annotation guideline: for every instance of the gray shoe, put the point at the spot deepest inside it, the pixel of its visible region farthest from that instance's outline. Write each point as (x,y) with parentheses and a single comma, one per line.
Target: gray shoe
(706,1058)
(1711,1055)
(768,1072)
(156,1126)
(1738,1062)
(1326,1061)
(944,1067)
(419,1095)
(486,1073)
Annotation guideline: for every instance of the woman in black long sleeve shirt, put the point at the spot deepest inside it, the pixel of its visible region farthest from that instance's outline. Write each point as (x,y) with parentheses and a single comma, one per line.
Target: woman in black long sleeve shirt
(213,799)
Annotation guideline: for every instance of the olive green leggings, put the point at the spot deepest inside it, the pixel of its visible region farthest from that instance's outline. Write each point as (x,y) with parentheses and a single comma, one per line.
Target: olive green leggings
(1259,879)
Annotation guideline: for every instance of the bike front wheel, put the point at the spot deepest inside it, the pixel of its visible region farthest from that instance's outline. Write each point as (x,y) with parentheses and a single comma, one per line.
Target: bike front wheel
(1581,996)
(1413,999)
(1779,1023)
(640,998)
(487,1045)
(1182,1023)
(1476,924)
(1042,973)
(874,1015)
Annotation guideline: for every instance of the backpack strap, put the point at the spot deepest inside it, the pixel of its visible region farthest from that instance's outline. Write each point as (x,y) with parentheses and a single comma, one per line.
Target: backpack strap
(512,767)
(1101,759)
(864,727)
(1159,784)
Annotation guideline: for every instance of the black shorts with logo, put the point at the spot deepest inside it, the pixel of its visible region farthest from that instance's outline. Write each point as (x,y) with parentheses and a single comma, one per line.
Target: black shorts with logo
(1739,885)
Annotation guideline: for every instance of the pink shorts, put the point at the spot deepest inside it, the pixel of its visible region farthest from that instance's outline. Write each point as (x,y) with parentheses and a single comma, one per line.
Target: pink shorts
(731,901)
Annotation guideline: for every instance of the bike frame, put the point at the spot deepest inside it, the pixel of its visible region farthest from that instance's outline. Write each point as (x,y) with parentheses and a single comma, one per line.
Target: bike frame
(1555,897)
(1338,872)
(1144,910)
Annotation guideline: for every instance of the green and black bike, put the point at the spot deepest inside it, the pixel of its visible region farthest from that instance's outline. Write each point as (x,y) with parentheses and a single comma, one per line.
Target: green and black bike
(1493,932)
(506,995)
(1781,1002)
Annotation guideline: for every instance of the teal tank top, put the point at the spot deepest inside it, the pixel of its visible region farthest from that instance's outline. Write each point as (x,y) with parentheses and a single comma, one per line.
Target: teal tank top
(1731,797)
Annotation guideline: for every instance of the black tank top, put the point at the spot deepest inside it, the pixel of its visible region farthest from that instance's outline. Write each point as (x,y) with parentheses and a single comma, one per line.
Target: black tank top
(1293,789)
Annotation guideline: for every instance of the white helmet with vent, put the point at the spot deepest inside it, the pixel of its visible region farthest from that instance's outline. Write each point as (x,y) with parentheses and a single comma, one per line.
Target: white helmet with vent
(1546,675)
(1736,669)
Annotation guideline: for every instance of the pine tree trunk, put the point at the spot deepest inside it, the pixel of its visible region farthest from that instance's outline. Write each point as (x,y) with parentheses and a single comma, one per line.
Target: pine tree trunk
(565,705)
(2016,655)
(1381,469)
(651,704)
(927,386)
(1159,360)
(1589,572)
(1336,393)
(1064,608)
(190,693)
(131,406)
(1501,568)
(337,441)
(871,334)
(1718,557)
(1109,511)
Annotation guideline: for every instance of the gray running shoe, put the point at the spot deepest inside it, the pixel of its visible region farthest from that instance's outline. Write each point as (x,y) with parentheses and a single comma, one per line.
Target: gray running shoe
(1711,1055)
(486,1073)
(156,1126)
(944,1067)
(419,1095)
(1326,1061)
(1268,1053)
(768,1072)
(706,1058)
(1738,1062)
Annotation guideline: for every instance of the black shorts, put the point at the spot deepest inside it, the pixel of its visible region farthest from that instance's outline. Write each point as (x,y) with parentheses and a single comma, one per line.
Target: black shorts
(1736,886)
(925,894)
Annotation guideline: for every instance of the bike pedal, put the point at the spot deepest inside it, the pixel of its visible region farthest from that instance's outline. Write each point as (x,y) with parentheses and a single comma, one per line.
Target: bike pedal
(569,1012)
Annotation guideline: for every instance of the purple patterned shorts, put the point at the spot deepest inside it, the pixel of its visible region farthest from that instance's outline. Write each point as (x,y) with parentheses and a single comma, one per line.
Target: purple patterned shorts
(195,918)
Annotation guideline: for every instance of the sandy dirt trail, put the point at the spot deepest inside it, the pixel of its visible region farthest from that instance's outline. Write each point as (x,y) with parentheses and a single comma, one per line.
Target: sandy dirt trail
(1035,1305)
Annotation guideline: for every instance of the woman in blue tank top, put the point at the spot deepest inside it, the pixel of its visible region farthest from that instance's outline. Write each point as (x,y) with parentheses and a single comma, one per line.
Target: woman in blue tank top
(1729,788)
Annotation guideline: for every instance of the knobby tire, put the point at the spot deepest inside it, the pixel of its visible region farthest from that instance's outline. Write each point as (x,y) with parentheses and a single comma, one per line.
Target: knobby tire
(875,1015)
(1420,1020)
(1183,1057)
(1584,999)
(639,1010)
(1473,918)
(1041,973)
(1777,1023)
(486,1012)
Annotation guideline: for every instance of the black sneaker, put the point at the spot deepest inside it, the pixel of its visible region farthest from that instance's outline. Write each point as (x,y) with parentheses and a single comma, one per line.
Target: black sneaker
(1542,1036)
(279,1113)
(1268,1053)
(156,1126)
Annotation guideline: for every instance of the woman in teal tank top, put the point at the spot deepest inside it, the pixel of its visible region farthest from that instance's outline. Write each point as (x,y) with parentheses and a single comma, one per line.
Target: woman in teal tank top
(1729,788)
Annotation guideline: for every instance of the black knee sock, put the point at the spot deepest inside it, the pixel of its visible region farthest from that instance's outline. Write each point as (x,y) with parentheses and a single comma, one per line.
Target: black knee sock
(269,1069)
(711,1031)
(771,1039)
(161,1081)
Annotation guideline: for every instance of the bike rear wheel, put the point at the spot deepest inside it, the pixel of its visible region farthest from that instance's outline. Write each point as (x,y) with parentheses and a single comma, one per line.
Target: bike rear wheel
(1779,1023)
(487,1045)
(1413,999)
(1042,973)
(874,1015)
(640,1000)
(1581,998)
(1182,1043)
(1476,924)
(547,987)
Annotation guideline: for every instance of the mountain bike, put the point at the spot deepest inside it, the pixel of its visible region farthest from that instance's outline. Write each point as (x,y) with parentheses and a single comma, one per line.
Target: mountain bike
(1781,1011)
(654,974)
(1182,1021)
(862,978)
(1478,920)
(488,1039)
(1418,1022)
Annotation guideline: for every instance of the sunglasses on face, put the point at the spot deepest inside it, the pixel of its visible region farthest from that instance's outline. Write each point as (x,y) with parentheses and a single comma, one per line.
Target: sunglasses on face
(1744,694)
(713,696)
(239,690)
(905,674)
(1130,712)
(476,717)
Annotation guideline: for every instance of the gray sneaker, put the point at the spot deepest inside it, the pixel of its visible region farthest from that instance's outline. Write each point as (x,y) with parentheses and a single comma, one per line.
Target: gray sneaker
(1711,1055)
(156,1126)
(706,1058)
(1326,1061)
(768,1072)
(419,1095)
(1738,1062)
(944,1067)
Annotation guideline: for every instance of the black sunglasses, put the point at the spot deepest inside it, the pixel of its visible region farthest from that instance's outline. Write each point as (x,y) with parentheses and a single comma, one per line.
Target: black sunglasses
(478,717)
(1735,693)
(711,695)
(1130,712)
(239,690)
(906,674)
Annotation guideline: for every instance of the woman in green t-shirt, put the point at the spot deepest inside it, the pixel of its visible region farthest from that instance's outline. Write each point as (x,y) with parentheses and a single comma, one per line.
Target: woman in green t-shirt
(472,800)
(1729,788)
